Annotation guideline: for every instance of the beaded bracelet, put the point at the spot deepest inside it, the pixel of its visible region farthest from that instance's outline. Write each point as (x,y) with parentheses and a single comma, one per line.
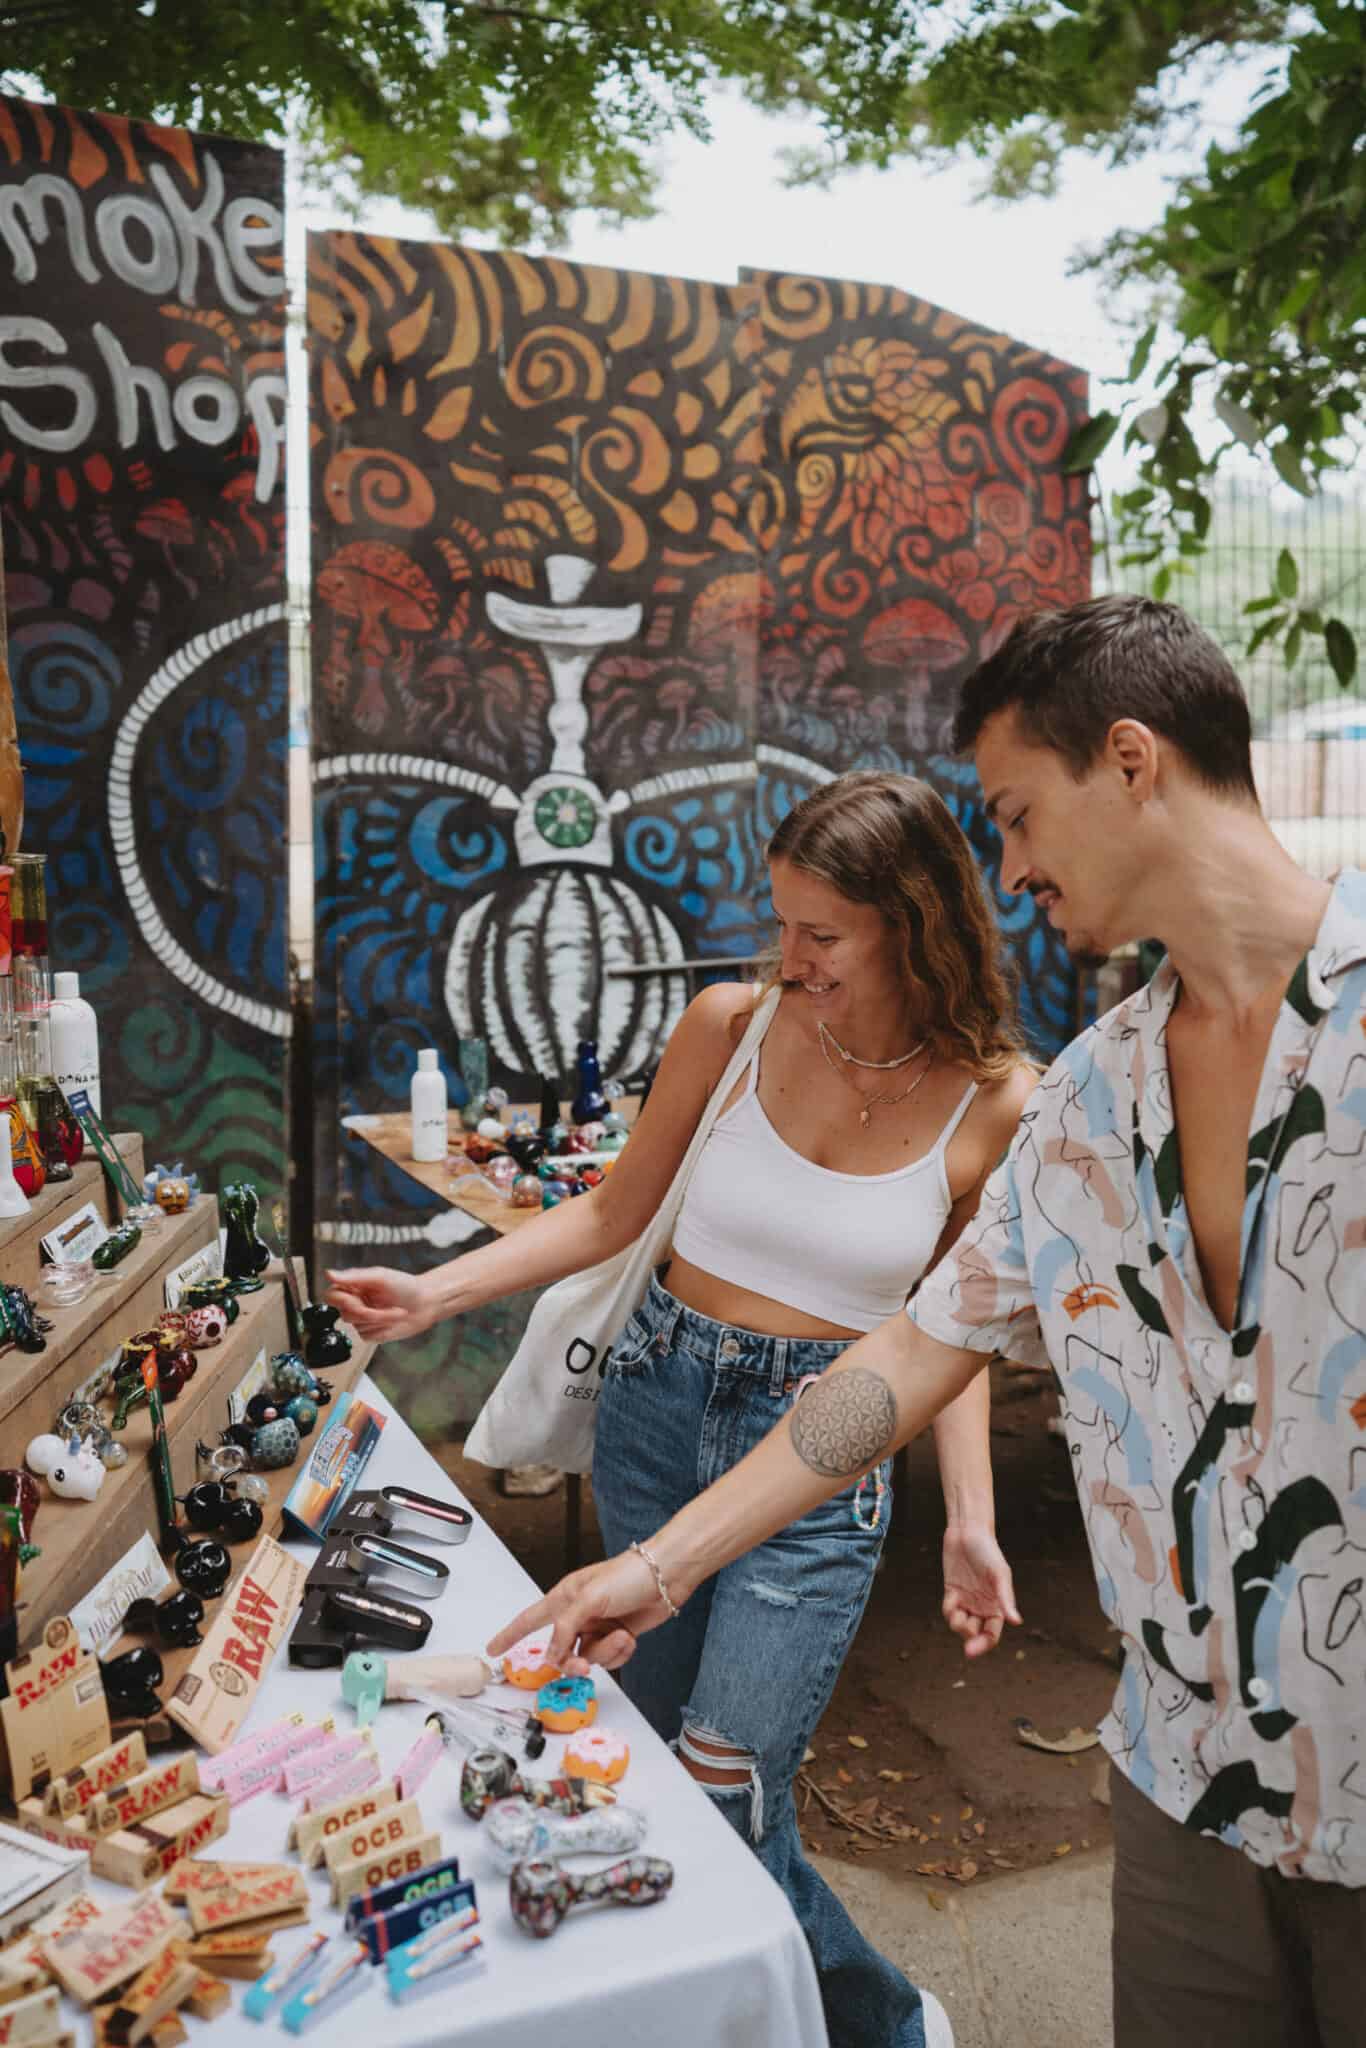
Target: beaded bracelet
(649,1558)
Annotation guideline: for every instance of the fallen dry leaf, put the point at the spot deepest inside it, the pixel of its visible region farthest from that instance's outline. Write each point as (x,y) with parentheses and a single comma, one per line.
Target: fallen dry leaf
(966,1814)
(958,1684)
(1063,1849)
(1062,1745)
(979,1827)
(810,1757)
(936,1819)
(892,1777)
(866,1808)
(933,1899)
(844,1777)
(857,1741)
(966,1871)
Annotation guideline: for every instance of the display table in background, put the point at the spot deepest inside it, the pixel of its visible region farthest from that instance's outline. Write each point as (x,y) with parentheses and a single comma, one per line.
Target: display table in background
(719,1963)
(390,1134)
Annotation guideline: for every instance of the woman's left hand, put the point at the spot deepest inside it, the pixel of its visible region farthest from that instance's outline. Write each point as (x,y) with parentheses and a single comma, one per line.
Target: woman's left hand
(979,1592)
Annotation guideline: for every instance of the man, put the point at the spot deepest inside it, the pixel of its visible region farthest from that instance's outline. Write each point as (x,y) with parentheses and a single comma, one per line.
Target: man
(1179,1229)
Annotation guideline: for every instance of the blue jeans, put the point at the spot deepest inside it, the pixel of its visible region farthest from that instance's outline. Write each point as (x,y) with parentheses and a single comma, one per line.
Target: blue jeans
(753,1658)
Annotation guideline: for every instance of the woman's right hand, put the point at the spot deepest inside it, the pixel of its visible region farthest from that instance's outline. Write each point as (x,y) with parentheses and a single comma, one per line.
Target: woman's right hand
(381,1303)
(597,1614)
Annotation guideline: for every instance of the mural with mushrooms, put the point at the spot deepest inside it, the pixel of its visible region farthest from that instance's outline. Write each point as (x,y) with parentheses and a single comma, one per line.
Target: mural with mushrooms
(911,505)
(608,570)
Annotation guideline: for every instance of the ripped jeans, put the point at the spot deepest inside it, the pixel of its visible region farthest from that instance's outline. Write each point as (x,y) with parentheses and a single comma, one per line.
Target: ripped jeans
(752,1660)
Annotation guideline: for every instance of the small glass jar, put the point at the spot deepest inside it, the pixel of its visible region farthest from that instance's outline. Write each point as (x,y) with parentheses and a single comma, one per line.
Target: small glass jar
(66,1283)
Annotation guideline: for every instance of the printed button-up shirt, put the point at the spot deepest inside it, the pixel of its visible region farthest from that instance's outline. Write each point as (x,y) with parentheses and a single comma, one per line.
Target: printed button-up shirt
(1222,1476)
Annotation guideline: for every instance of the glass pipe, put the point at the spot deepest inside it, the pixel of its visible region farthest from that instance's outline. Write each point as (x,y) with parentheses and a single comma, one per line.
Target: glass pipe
(474,1072)
(244,1254)
(516,1831)
(29,1171)
(59,1134)
(541,1892)
(28,927)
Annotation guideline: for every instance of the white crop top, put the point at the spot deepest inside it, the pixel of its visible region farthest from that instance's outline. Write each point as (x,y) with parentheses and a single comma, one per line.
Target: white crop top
(846,1247)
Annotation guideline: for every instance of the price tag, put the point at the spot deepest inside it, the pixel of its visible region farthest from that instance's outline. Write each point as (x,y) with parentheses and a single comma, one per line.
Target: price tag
(205,1264)
(76,1238)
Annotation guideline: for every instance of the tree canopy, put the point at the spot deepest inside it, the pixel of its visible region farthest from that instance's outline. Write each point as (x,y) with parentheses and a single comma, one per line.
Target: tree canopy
(509,119)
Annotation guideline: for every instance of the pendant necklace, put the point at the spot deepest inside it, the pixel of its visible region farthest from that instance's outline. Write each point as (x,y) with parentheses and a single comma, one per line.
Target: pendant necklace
(868,1103)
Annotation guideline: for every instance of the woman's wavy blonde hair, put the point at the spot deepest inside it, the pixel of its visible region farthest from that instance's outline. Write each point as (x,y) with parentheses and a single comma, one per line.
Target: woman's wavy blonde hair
(892,841)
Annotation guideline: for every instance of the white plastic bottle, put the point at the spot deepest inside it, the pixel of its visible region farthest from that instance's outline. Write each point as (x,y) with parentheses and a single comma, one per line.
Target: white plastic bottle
(75,1040)
(429,1107)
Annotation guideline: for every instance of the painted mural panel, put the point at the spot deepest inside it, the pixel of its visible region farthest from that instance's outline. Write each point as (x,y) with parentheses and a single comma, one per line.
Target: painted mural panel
(142,400)
(911,506)
(535,633)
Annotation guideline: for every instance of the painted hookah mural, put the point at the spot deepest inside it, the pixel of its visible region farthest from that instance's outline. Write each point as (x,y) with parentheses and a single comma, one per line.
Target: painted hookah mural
(534,680)
(141,488)
(530,971)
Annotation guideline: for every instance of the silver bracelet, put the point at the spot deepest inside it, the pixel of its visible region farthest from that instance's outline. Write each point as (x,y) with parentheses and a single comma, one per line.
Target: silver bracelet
(649,1558)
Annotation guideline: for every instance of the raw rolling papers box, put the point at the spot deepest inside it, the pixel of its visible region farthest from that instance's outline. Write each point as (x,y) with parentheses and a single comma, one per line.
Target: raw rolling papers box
(35,1876)
(215,1695)
(338,1458)
(55,1716)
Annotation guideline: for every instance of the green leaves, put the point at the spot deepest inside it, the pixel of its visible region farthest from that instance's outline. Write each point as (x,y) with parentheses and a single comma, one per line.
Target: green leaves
(1290,468)
(1281,618)
(1341,649)
(1089,442)
(1143,348)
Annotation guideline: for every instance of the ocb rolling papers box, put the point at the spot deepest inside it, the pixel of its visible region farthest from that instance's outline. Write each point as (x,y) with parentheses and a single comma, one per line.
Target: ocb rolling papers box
(432,1882)
(384,1932)
(368,1873)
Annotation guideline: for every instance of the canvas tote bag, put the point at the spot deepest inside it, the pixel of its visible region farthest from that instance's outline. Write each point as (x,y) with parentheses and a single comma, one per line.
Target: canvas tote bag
(543,1409)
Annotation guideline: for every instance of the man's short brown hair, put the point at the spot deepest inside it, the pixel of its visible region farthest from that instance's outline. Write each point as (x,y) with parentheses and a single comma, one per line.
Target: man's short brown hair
(1071,674)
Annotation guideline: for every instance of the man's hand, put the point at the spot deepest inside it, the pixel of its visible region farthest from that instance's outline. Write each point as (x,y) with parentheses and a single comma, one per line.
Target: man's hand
(597,1614)
(979,1593)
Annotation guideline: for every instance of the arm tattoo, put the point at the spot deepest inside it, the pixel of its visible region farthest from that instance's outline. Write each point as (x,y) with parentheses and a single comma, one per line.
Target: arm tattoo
(844,1423)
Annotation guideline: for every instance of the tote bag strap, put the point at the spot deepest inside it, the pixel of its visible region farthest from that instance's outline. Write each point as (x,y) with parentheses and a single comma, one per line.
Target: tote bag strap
(660,1231)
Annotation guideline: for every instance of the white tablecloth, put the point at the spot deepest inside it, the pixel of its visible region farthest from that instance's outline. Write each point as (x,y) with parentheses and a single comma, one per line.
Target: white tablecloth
(719,1963)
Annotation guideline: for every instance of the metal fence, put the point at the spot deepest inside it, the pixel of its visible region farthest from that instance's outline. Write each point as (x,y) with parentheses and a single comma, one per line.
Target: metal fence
(1309,747)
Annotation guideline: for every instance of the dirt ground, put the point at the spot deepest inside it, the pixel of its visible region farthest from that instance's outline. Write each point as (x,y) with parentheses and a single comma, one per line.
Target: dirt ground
(918,1765)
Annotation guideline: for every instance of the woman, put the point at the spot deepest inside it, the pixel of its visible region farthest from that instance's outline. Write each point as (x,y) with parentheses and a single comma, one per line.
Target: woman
(847,1158)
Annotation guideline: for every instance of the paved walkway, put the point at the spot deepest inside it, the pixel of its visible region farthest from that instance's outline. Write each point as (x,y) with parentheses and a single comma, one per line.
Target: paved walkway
(1022,1962)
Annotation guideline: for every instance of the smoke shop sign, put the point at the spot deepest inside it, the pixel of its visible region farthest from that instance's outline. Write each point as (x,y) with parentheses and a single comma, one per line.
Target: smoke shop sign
(200,253)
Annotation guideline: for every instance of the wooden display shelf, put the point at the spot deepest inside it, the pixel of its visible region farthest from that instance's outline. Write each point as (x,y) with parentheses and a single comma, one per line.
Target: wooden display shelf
(80,1540)
(20,1258)
(341,1379)
(34,1386)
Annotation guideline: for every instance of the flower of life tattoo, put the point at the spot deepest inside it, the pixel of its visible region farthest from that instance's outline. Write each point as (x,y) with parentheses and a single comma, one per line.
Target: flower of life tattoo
(844,1423)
